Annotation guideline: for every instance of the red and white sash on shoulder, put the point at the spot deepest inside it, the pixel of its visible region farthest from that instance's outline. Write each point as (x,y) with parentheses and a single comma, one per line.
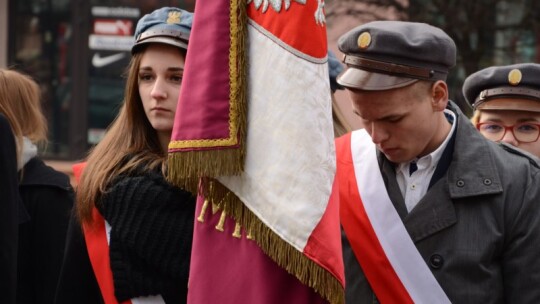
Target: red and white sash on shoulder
(97,243)
(391,262)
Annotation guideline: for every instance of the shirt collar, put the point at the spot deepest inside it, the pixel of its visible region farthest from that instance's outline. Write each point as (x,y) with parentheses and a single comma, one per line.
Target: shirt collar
(432,159)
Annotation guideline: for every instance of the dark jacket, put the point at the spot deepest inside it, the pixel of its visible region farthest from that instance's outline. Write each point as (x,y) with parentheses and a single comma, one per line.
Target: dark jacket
(48,197)
(477,227)
(9,215)
(77,282)
(150,243)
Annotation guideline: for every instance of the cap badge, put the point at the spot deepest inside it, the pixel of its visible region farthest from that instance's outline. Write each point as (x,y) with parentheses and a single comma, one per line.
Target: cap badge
(173,17)
(483,94)
(364,40)
(514,77)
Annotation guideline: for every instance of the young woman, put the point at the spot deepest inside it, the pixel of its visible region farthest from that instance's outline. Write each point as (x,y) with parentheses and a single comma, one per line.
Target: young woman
(506,100)
(46,194)
(135,242)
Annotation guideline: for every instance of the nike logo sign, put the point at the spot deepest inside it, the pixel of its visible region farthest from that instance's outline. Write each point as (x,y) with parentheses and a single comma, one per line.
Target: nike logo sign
(99,62)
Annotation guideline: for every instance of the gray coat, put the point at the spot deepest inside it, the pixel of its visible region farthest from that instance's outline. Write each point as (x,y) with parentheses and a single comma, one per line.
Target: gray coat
(477,227)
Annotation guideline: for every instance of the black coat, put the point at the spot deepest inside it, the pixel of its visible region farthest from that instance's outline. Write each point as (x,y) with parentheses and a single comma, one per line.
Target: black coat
(9,200)
(163,214)
(77,282)
(48,197)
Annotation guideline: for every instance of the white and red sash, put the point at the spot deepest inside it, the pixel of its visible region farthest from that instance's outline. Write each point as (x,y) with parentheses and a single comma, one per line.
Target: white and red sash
(97,243)
(391,262)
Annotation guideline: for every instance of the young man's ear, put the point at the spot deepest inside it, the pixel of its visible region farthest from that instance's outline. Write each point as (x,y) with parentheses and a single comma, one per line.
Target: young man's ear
(439,95)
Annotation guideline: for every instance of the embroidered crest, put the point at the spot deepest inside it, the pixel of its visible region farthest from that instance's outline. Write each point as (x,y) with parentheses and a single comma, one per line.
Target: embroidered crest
(278,4)
(514,77)
(173,17)
(319,14)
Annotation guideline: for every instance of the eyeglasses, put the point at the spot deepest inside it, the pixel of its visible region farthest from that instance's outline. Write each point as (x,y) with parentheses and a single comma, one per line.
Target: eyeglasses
(526,132)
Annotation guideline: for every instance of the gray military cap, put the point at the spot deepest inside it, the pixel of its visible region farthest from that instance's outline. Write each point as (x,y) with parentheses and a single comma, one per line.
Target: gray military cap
(168,25)
(510,87)
(383,55)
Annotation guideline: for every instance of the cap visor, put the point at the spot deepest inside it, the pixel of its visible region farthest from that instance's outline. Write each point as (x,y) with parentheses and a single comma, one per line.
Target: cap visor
(370,81)
(164,40)
(511,104)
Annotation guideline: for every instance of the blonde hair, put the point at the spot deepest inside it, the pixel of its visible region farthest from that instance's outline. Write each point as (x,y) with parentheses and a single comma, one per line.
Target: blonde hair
(20,102)
(476,117)
(130,142)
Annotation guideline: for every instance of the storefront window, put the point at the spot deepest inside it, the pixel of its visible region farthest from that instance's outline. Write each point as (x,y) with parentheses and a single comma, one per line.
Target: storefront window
(78,54)
(40,48)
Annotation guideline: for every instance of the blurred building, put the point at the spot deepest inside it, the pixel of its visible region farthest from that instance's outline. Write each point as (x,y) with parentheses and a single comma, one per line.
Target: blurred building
(487,32)
(77,50)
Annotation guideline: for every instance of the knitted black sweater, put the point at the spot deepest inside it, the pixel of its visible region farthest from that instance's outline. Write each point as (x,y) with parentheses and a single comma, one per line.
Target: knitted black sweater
(150,239)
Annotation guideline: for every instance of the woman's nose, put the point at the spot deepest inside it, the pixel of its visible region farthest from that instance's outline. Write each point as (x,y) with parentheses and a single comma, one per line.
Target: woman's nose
(158,91)
(509,138)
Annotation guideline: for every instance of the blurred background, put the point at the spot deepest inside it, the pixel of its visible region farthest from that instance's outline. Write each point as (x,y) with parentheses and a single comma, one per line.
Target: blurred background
(77,50)
(486,32)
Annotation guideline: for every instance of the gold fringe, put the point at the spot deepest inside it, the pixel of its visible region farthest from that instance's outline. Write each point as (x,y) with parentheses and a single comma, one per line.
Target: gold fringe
(187,177)
(238,63)
(185,167)
(285,255)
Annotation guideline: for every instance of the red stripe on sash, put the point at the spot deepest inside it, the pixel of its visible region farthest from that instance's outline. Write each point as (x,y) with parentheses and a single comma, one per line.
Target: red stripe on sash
(362,238)
(95,236)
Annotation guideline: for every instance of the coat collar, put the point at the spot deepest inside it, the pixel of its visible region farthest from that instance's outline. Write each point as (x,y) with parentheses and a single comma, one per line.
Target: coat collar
(472,171)
(37,173)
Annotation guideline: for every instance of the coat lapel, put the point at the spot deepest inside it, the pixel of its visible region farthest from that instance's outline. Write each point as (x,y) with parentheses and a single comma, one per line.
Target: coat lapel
(388,172)
(434,212)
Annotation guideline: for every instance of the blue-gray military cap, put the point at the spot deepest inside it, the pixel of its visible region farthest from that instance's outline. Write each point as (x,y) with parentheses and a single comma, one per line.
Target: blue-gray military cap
(509,87)
(168,25)
(334,68)
(383,55)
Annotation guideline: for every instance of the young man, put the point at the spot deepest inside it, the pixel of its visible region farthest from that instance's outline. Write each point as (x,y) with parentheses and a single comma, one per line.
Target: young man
(431,211)
(506,100)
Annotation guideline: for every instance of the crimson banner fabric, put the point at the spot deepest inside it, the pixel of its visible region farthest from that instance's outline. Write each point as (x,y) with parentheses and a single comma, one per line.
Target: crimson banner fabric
(254,125)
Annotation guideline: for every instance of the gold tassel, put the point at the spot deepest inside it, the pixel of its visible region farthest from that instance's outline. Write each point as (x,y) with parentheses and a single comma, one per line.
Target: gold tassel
(181,174)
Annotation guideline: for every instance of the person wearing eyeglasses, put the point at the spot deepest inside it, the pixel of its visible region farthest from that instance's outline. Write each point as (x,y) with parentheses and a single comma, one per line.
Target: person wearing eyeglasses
(506,100)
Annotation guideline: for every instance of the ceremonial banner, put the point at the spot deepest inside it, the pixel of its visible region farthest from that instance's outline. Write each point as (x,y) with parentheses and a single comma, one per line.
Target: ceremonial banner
(254,123)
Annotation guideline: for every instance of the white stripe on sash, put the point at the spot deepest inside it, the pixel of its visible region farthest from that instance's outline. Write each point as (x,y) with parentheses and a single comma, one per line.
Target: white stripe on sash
(148,300)
(139,300)
(400,250)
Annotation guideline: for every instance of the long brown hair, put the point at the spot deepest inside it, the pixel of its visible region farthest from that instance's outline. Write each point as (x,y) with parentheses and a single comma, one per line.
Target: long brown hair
(20,102)
(130,142)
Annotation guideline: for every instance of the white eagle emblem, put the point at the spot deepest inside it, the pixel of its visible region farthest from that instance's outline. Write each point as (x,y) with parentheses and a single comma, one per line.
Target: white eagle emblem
(277,4)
